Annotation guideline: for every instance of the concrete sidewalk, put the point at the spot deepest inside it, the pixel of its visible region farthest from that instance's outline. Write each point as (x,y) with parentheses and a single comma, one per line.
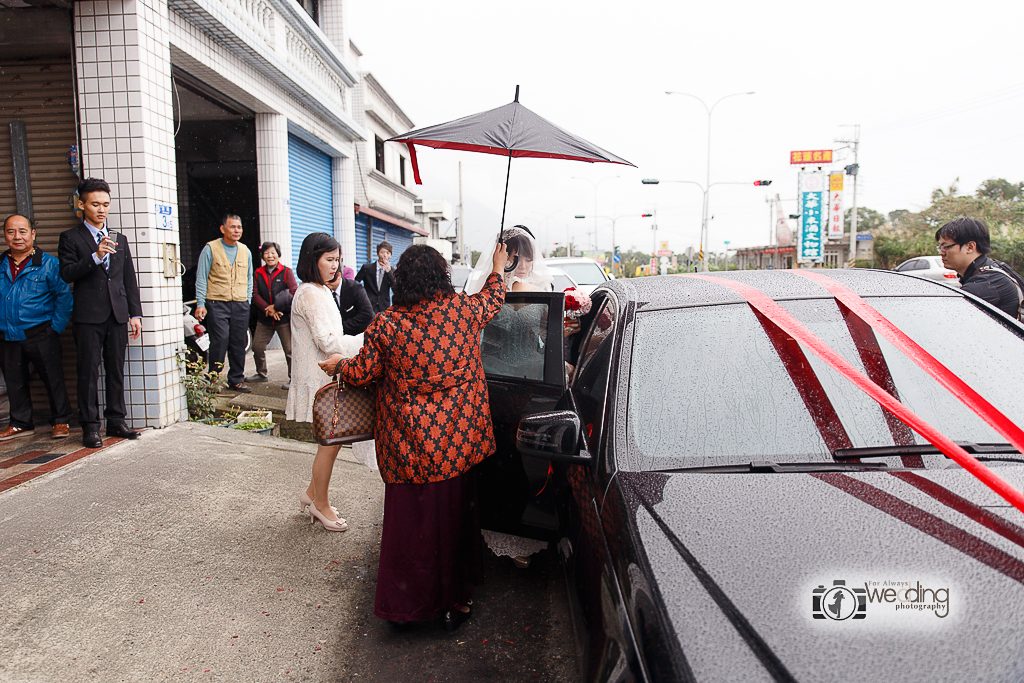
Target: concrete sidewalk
(182,556)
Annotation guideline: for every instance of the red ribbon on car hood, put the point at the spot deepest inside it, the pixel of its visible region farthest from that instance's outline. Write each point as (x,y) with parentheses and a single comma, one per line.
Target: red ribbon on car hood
(779,316)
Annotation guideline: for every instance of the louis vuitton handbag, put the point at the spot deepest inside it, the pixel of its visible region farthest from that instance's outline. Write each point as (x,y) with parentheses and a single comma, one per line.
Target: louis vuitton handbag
(343,413)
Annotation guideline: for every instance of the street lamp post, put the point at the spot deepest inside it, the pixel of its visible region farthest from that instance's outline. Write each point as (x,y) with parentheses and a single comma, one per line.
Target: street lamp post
(595,186)
(727,255)
(704,192)
(707,181)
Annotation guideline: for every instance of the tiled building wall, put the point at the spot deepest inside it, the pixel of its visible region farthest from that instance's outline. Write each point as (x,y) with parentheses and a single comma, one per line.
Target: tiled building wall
(344,213)
(127,130)
(272,180)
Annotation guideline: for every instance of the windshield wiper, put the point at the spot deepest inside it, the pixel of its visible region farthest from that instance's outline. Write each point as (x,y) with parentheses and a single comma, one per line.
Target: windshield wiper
(764,467)
(979,450)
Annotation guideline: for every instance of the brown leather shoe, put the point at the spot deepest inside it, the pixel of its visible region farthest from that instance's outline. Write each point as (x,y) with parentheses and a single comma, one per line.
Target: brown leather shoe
(59,432)
(13,432)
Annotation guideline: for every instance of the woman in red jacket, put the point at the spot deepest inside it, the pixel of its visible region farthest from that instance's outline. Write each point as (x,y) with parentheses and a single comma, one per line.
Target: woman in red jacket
(273,286)
(433,425)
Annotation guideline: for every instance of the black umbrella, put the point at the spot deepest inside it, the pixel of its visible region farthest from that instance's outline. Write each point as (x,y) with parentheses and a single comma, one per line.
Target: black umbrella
(512,131)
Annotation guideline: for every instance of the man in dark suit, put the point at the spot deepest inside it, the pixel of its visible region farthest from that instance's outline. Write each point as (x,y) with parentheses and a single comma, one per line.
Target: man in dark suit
(106,310)
(378,279)
(351,299)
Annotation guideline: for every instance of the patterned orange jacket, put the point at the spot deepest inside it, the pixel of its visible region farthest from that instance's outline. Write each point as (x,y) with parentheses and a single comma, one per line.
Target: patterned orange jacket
(433,414)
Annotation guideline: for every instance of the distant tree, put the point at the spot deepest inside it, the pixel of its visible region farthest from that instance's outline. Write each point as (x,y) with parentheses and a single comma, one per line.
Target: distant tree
(898,217)
(868,220)
(938,193)
(1000,189)
(558,252)
(473,256)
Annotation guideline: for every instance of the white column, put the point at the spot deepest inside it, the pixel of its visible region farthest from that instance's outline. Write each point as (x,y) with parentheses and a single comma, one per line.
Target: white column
(124,87)
(272,183)
(344,210)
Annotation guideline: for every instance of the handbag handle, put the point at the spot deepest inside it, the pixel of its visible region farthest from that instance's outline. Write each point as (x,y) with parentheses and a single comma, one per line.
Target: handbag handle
(337,376)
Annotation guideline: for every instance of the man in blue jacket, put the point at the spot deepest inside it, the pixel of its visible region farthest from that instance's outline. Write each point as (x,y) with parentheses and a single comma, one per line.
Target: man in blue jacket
(36,307)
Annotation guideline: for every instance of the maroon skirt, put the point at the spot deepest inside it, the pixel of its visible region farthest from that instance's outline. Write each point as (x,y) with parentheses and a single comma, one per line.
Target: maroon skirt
(431,551)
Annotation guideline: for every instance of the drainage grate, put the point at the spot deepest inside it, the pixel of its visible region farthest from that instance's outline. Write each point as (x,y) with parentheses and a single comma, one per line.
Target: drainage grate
(43,458)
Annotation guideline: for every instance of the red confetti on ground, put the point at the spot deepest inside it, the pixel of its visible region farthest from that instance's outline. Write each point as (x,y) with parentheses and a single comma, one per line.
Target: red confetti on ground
(234,636)
(510,642)
(208,671)
(527,628)
(486,639)
(142,601)
(280,589)
(318,648)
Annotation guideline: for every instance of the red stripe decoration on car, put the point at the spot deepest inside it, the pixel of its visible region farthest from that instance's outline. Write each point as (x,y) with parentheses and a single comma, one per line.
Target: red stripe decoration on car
(924,360)
(771,310)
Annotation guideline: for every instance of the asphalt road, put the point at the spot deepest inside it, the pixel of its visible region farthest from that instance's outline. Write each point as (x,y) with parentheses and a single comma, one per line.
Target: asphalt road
(182,556)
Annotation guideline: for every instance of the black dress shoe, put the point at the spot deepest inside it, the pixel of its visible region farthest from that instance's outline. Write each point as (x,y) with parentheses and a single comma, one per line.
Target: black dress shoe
(241,388)
(122,431)
(92,440)
(455,618)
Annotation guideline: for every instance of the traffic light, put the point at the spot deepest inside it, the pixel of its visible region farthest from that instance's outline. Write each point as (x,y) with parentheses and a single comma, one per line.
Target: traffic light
(852,169)
(762,182)
(646,215)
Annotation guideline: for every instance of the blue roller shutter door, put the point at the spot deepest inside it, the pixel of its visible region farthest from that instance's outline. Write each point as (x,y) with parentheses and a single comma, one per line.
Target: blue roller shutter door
(400,239)
(311,190)
(379,235)
(362,254)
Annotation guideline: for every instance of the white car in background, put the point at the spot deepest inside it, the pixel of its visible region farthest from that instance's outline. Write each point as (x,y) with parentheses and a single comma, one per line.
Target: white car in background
(585,272)
(929,268)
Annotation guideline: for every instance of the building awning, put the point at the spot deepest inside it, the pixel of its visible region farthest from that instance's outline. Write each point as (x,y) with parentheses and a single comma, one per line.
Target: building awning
(388,218)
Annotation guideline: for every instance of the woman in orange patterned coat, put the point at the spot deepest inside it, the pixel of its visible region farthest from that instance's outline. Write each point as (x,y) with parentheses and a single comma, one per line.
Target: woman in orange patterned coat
(433,426)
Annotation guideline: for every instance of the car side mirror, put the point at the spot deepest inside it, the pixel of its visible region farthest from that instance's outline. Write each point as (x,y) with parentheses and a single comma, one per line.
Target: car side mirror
(553,436)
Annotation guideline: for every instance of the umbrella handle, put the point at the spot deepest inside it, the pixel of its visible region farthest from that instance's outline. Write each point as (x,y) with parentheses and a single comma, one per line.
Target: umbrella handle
(512,266)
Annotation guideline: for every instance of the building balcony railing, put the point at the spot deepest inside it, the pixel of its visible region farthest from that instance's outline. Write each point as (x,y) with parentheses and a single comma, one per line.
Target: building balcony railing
(281,41)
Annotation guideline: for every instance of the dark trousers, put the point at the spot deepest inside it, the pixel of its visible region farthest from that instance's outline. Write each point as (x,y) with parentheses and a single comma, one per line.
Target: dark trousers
(41,348)
(96,342)
(228,324)
(264,333)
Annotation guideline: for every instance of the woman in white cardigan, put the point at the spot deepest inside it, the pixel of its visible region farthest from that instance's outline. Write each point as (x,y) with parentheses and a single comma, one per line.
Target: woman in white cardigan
(317,334)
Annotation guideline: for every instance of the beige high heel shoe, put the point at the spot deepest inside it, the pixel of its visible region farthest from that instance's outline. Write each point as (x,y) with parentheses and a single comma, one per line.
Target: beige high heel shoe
(314,516)
(305,501)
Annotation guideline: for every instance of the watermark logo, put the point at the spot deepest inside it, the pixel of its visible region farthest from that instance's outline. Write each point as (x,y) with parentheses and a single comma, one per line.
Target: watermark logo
(839,603)
(887,600)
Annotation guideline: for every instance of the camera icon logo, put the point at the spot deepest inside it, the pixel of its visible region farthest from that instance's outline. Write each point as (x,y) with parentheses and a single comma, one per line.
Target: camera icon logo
(839,603)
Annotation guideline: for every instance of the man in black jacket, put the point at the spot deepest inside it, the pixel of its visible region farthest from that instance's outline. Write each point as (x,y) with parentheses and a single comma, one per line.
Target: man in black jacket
(964,246)
(378,279)
(351,299)
(107,309)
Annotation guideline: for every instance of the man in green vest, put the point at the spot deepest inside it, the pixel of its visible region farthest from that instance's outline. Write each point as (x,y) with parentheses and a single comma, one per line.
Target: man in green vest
(223,293)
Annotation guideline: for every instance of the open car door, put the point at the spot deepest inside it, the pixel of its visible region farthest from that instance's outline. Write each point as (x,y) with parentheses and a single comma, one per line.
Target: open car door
(522,357)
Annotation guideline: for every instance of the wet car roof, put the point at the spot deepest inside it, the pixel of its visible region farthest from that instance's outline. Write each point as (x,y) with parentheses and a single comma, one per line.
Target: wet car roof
(671,291)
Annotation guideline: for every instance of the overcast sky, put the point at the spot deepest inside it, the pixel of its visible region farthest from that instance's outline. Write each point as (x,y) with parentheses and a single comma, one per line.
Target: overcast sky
(936,88)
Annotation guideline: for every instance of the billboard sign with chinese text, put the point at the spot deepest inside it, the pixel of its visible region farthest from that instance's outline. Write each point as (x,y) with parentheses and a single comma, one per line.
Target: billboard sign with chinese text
(812,194)
(835,206)
(811,157)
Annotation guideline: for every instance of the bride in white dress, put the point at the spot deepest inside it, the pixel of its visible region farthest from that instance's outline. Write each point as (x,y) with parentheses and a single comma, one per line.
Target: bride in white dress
(317,334)
(529,275)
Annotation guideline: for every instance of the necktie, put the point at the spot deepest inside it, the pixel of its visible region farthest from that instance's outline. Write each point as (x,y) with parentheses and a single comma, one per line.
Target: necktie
(337,297)
(100,234)
(380,276)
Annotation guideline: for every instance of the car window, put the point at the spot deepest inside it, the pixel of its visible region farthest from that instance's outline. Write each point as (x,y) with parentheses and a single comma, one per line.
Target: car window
(584,273)
(513,344)
(590,383)
(908,265)
(459,277)
(922,264)
(562,283)
(707,385)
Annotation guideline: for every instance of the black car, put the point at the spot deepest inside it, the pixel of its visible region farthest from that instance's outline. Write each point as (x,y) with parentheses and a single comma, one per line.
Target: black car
(730,507)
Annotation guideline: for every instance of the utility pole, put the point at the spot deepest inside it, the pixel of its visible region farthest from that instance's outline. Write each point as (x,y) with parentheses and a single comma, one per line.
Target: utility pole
(462,225)
(852,170)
